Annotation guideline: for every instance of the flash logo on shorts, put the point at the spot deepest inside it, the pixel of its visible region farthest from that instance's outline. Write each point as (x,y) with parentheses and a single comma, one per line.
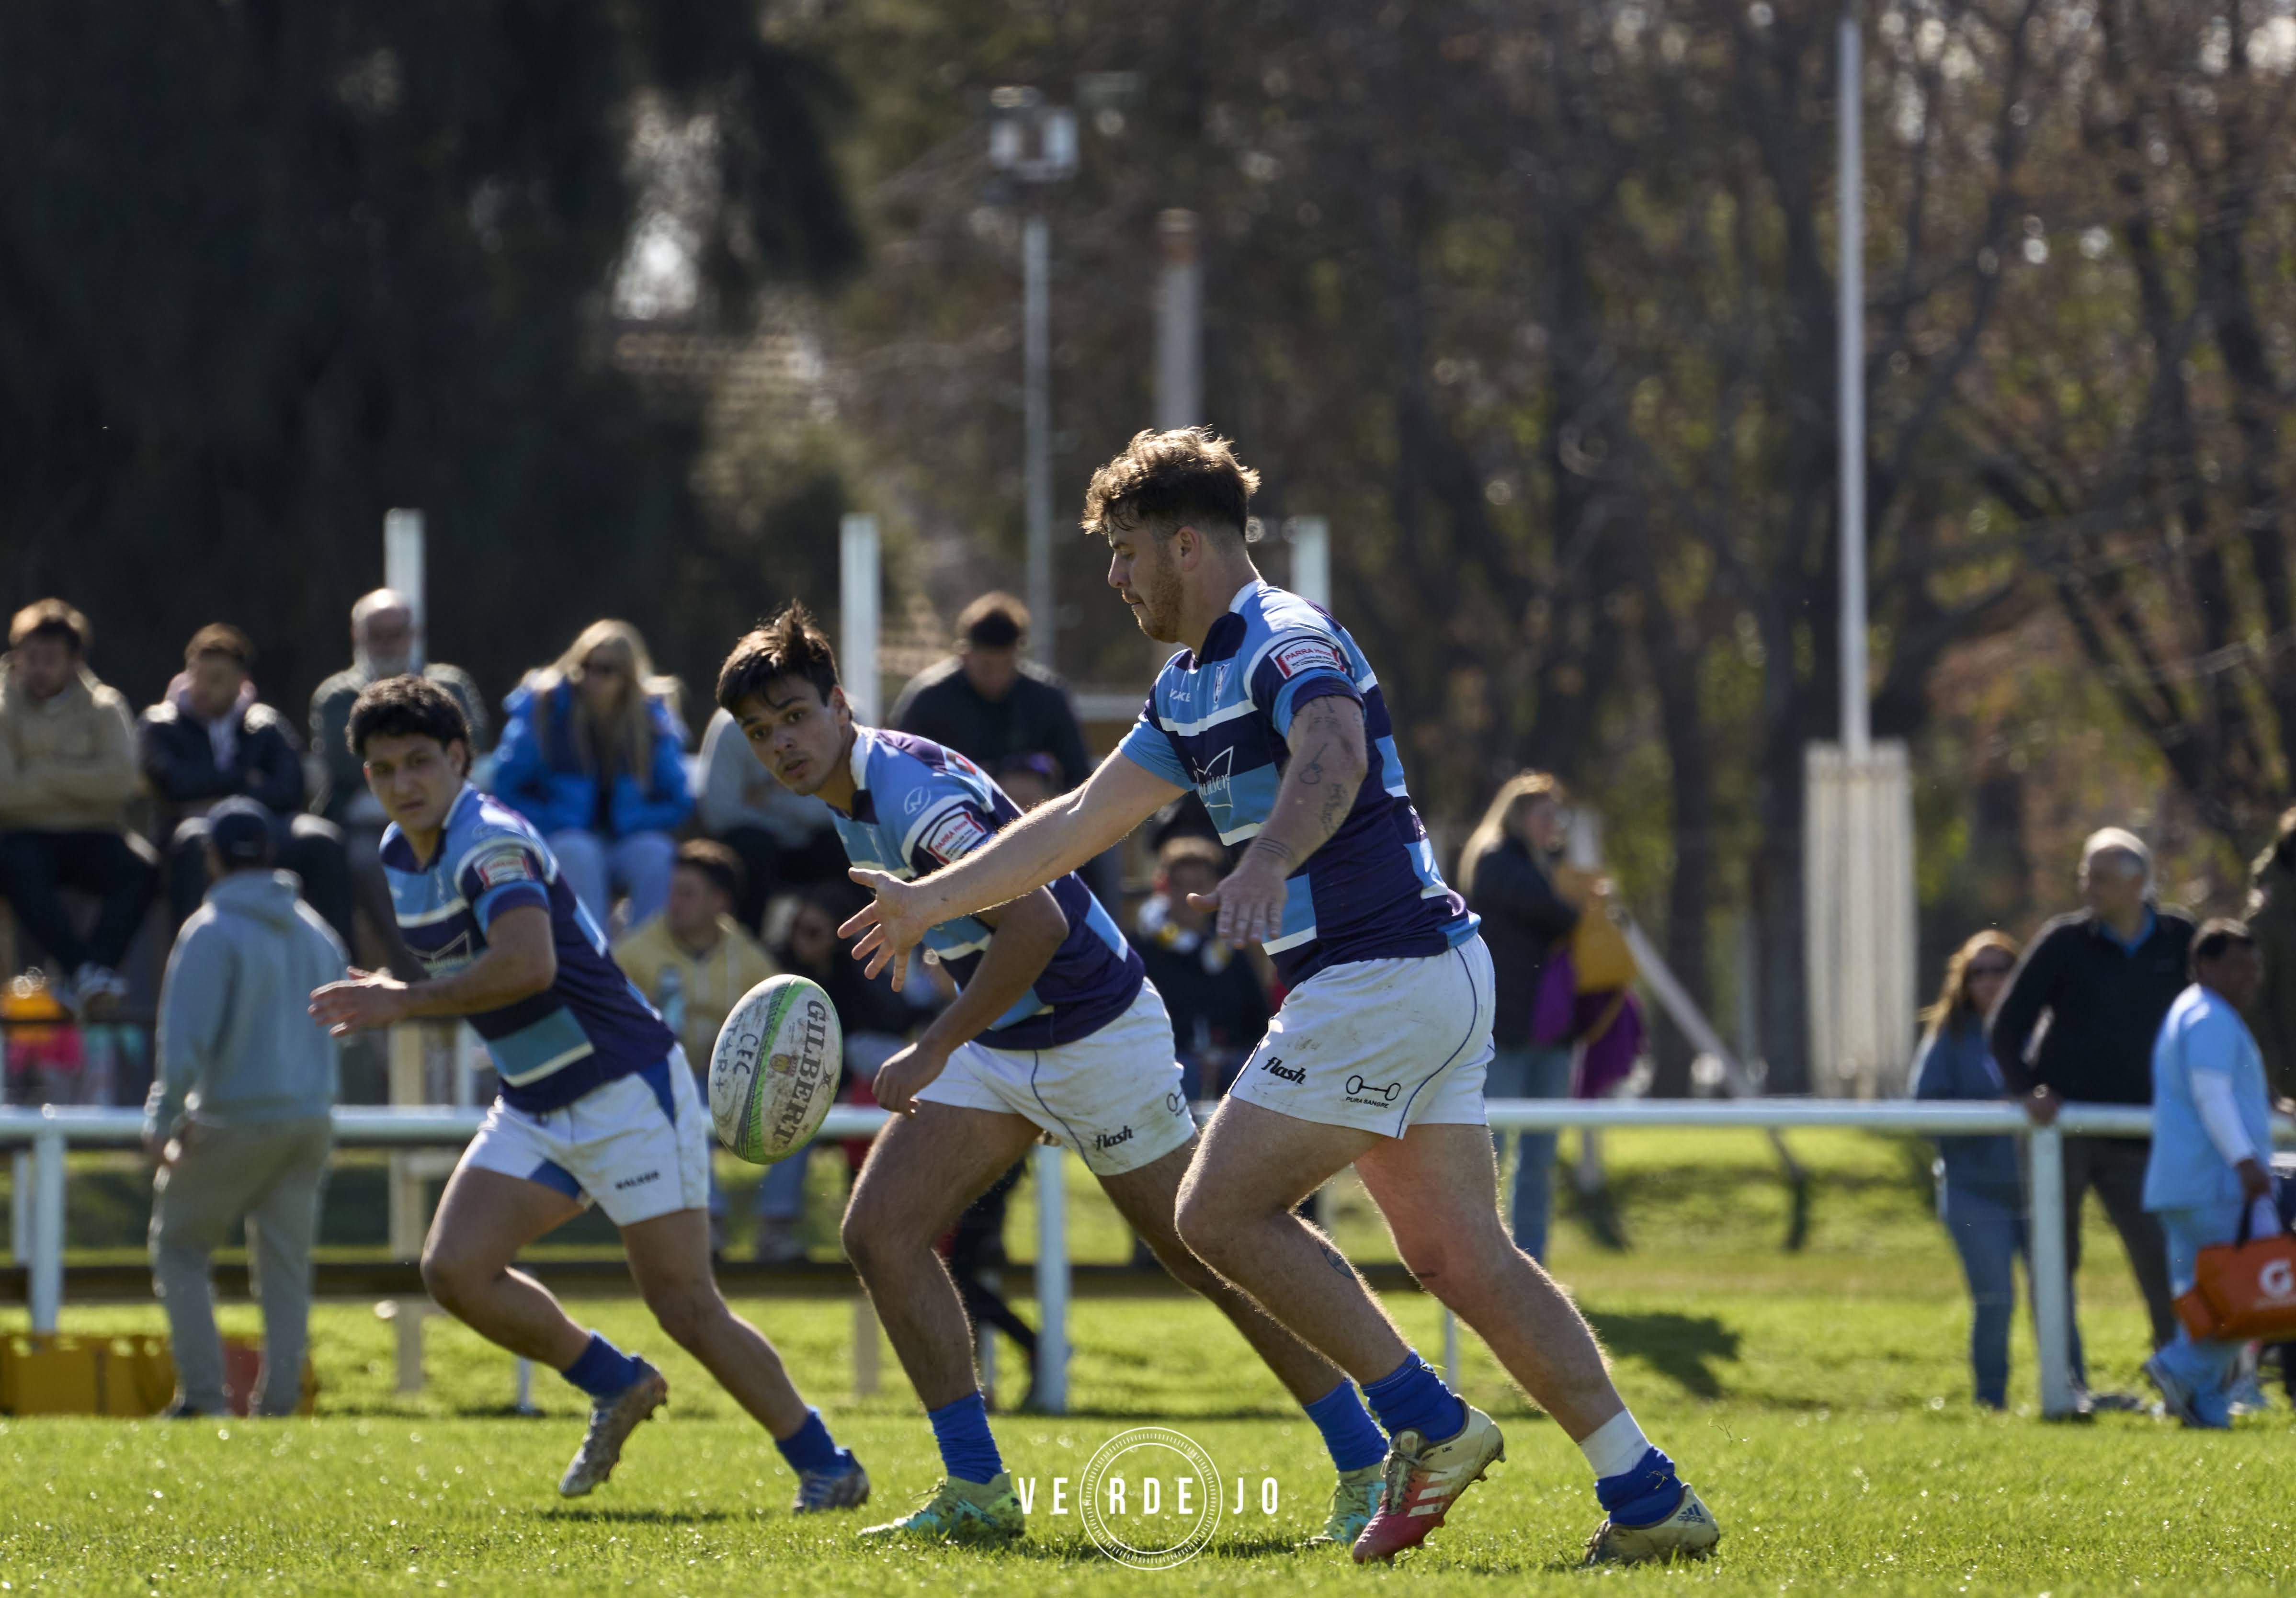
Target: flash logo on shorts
(1360,1092)
(1289,1073)
(1109,1140)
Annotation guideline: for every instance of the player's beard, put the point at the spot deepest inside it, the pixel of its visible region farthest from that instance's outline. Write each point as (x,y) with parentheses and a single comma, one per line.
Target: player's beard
(1157,587)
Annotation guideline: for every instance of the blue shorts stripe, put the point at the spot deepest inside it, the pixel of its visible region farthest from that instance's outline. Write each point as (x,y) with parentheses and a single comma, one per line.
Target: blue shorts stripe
(552,1174)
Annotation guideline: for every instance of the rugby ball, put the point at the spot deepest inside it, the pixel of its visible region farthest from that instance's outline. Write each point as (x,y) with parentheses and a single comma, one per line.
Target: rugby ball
(774,1069)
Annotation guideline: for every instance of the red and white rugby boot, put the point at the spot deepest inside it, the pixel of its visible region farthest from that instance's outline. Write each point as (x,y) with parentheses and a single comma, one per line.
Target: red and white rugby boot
(1424,1481)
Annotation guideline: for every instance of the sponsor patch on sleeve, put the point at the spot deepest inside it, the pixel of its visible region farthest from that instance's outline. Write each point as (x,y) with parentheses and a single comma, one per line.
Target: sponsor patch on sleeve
(955,835)
(1308,654)
(508,862)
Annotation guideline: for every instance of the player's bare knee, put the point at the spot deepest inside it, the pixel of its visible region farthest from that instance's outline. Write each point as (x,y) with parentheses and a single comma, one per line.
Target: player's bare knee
(450,1280)
(686,1314)
(1207,1225)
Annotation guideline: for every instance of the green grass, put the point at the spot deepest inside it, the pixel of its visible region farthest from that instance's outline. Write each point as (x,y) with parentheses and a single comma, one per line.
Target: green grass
(1818,1400)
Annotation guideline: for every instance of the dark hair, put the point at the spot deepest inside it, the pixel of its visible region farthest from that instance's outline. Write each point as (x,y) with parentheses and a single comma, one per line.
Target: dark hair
(221,638)
(1189,477)
(715,861)
(49,618)
(1191,848)
(993,621)
(791,645)
(2217,937)
(408,707)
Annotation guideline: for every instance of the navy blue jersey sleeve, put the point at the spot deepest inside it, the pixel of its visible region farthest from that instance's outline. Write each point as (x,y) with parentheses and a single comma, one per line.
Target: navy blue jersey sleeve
(500,872)
(1296,667)
(1151,747)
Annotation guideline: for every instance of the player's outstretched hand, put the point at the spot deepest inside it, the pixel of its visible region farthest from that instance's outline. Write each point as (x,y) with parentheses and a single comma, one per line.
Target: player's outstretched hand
(1250,902)
(885,929)
(364,1001)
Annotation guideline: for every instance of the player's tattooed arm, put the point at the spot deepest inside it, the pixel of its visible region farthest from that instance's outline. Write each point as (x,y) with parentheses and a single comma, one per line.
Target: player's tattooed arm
(1326,771)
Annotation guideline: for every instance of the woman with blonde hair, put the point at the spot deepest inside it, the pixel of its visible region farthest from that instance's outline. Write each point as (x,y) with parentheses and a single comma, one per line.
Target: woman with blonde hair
(1981,1195)
(1508,869)
(593,754)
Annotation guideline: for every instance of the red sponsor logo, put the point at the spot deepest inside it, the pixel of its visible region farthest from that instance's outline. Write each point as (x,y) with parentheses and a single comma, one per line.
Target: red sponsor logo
(955,835)
(508,865)
(1310,654)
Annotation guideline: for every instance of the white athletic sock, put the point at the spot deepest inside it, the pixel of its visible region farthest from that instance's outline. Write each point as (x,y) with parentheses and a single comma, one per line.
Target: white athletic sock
(1615,1446)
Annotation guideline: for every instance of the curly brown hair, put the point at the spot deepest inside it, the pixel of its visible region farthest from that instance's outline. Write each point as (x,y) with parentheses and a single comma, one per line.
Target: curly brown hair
(1188,476)
(791,645)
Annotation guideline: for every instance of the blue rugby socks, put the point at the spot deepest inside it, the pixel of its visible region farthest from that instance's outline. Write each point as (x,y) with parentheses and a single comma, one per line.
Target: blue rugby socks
(1635,1483)
(967,1451)
(1348,1431)
(810,1448)
(603,1370)
(1412,1397)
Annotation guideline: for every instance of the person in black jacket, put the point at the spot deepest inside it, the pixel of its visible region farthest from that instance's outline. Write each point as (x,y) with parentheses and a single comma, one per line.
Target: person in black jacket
(2104,977)
(1507,867)
(208,741)
(988,704)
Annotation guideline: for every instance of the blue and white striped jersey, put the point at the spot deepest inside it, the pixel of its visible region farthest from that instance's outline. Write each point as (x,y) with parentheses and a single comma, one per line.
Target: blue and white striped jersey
(590,1026)
(1216,720)
(917,807)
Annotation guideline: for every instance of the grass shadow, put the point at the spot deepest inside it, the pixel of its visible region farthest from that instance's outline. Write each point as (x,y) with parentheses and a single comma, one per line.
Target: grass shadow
(635,1517)
(1678,1347)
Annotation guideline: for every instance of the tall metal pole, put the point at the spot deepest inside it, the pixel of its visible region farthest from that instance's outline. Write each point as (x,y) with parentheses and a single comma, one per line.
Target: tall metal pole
(1179,321)
(1036,357)
(1856,729)
(858,610)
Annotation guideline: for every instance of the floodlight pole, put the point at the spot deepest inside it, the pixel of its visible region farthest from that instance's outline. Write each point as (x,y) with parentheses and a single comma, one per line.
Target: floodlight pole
(1857,721)
(1037,364)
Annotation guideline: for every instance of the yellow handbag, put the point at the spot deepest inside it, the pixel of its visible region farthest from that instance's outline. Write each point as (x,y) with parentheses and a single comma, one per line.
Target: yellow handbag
(1598,950)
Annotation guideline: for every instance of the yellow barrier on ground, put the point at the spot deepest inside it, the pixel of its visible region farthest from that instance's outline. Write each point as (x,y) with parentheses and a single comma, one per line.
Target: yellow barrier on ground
(128,1375)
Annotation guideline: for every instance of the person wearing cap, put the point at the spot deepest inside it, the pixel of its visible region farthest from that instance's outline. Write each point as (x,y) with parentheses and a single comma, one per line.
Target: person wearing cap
(990,705)
(239,1119)
(2103,978)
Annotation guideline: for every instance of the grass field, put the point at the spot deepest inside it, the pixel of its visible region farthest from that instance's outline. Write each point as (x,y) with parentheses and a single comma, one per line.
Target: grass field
(1818,1399)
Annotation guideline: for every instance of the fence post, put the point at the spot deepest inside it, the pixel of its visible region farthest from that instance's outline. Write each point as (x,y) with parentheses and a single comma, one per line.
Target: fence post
(1052,1281)
(47,1228)
(2045,1174)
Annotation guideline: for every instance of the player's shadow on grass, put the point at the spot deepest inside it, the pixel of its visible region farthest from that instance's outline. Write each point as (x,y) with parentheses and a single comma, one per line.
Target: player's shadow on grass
(1677,1345)
(637,1516)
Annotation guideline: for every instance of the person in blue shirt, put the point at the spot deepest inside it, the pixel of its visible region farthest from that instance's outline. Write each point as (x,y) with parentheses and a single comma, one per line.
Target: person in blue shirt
(597,1104)
(593,754)
(1055,1032)
(1376,1058)
(1982,1196)
(2211,1157)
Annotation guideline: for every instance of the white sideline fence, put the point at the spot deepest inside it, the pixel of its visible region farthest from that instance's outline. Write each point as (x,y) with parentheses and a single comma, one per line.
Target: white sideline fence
(45,1134)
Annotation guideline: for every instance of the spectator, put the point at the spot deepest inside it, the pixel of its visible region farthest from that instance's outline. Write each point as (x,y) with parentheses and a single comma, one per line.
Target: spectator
(2211,1153)
(1219,1010)
(2272,922)
(67,774)
(238,1116)
(593,754)
(785,840)
(1508,866)
(386,642)
(693,963)
(2104,977)
(1983,1197)
(988,703)
(209,740)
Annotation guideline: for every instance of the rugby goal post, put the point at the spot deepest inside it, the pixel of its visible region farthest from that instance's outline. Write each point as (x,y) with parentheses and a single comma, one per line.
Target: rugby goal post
(1859,918)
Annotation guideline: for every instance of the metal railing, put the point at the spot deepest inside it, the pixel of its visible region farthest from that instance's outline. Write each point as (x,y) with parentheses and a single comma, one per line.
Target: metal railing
(49,1131)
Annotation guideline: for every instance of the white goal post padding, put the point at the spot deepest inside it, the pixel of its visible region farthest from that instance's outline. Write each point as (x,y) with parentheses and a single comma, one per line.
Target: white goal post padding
(1860,919)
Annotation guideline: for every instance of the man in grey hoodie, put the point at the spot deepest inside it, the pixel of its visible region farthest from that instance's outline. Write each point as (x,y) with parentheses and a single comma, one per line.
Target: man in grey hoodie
(238,1119)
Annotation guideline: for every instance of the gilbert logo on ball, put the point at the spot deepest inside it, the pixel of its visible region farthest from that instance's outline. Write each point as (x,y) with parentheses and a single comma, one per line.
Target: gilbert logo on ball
(773,1070)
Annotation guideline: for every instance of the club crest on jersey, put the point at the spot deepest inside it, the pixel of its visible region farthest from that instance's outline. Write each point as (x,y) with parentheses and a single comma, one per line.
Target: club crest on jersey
(1212,782)
(1308,654)
(956,835)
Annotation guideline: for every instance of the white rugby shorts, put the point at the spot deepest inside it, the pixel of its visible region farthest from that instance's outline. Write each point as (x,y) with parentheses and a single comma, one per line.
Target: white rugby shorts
(1379,1044)
(1114,1097)
(638,1147)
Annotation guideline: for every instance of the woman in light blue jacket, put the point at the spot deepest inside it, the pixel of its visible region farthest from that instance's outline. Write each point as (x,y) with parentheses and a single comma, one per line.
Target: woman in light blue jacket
(593,754)
(1983,1197)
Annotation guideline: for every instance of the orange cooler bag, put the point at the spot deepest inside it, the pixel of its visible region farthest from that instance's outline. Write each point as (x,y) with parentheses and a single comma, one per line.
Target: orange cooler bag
(2243,1289)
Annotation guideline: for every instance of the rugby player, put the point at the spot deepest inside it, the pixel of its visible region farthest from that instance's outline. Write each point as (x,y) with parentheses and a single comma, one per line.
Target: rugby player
(1055,1031)
(1376,1056)
(597,1103)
